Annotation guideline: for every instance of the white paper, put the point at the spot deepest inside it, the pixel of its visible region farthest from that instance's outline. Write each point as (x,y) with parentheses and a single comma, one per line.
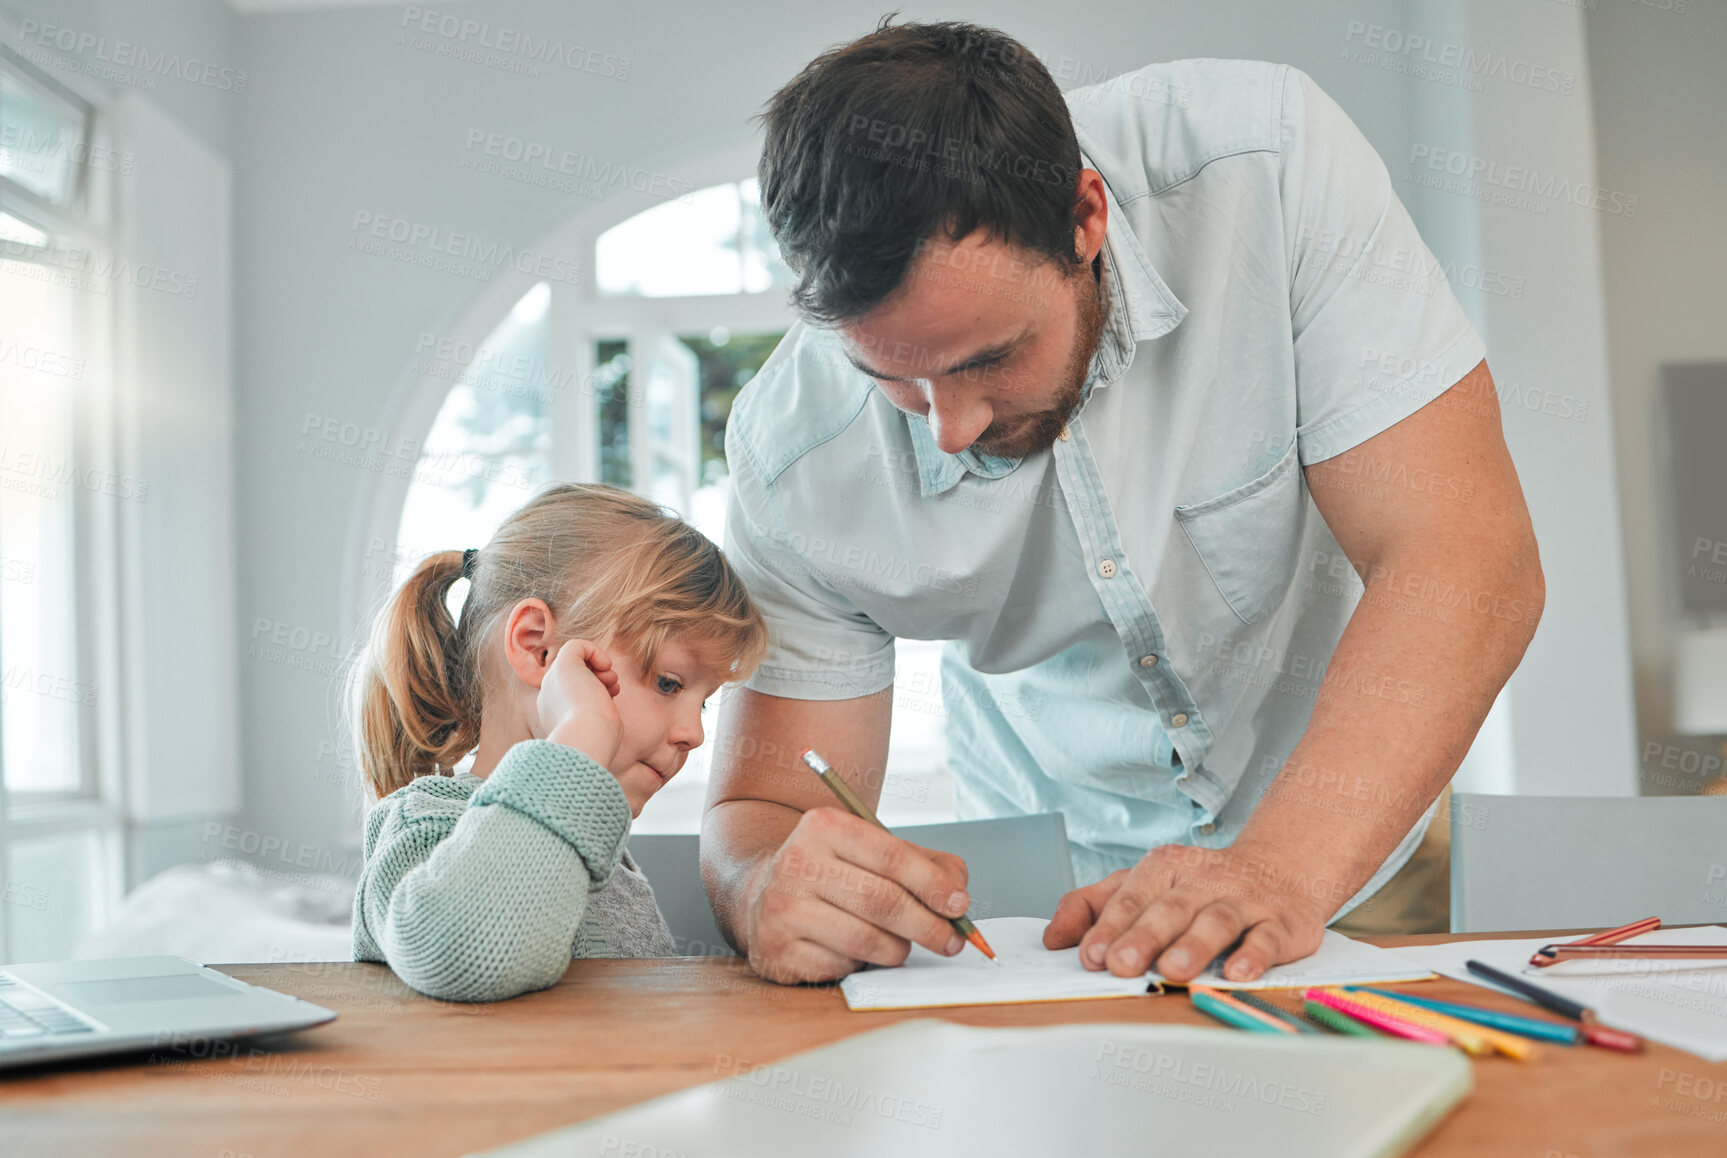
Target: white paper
(1677,1002)
(1029,972)
(1338,961)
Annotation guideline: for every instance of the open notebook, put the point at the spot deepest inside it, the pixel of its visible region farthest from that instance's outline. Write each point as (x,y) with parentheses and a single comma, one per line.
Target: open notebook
(1029,972)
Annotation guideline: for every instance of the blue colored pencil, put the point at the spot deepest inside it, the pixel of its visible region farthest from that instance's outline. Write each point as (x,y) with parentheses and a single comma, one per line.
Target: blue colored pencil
(1509,1022)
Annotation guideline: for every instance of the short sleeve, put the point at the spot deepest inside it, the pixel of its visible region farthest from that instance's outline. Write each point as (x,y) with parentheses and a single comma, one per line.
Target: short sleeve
(1377,331)
(821,647)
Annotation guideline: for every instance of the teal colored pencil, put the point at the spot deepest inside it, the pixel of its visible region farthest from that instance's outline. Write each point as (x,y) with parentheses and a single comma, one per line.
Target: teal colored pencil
(1341,1022)
(1510,1022)
(1206,1003)
(1265,1006)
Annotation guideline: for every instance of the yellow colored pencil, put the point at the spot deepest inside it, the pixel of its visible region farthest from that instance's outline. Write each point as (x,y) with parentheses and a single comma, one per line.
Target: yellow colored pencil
(1485,1038)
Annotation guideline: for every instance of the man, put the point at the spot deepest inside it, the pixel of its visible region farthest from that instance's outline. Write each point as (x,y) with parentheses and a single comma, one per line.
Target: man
(1125,394)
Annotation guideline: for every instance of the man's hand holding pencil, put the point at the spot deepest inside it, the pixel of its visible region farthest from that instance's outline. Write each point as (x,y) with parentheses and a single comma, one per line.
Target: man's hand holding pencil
(842,892)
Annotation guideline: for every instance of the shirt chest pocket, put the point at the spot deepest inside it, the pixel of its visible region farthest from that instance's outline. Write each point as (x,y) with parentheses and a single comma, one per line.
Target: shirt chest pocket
(1250,538)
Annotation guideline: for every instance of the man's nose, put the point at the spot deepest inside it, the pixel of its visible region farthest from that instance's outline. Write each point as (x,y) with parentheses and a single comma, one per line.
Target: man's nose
(954,419)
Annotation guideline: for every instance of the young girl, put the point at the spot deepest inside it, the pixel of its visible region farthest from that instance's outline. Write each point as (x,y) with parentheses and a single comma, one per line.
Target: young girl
(594,627)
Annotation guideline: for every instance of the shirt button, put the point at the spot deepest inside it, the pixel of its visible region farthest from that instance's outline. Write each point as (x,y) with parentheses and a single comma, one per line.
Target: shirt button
(1148,661)
(1106,568)
(1063,434)
(1179,720)
(1207,829)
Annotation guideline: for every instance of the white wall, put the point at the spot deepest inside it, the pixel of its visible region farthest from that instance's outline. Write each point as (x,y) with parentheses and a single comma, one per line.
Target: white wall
(1549,357)
(341,118)
(1660,94)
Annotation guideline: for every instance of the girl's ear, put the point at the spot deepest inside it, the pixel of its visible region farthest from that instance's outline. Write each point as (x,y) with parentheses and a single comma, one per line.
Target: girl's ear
(530,640)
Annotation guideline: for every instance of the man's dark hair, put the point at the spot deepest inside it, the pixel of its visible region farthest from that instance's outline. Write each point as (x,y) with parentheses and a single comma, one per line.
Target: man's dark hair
(913,129)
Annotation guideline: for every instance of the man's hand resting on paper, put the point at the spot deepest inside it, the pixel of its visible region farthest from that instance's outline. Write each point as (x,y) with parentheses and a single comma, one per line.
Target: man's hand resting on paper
(841,892)
(1179,907)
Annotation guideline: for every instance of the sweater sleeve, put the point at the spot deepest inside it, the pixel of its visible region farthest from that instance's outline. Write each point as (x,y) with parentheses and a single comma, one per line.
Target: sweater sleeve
(481,903)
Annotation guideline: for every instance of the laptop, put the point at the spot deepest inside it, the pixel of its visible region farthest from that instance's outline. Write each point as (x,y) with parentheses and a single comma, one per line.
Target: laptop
(70,1009)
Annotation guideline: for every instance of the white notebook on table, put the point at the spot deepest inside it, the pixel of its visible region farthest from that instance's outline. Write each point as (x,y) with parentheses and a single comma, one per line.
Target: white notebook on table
(1029,972)
(930,1089)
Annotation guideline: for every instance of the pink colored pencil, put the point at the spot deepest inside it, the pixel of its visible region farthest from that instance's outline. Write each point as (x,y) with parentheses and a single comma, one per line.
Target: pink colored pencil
(1389,1023)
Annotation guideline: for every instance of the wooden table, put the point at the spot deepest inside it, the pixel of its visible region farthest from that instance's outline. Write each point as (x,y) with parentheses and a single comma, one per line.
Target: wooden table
(399,1073)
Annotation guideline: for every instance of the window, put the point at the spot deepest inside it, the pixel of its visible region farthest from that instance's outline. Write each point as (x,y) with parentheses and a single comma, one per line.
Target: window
(59,815)
(686,305)
(41,688)
(714,242)
(488,448)
(44,136)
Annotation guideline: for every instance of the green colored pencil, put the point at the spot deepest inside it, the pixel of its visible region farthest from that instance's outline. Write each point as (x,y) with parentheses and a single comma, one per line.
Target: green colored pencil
(1341,1022)
(1206,1003)
(1264,1006)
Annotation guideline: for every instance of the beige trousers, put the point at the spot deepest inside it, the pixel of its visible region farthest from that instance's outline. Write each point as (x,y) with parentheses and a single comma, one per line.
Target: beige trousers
(1417,899)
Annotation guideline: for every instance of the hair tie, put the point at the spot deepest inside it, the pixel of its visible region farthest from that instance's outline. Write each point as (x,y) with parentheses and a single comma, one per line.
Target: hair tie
(468,558)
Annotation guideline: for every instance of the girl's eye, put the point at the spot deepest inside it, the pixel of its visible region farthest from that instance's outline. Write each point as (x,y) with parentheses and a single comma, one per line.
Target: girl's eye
(668,685)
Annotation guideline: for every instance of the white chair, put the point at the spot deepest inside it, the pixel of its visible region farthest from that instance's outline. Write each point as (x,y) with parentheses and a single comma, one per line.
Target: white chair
(1582,862)
(1019,867)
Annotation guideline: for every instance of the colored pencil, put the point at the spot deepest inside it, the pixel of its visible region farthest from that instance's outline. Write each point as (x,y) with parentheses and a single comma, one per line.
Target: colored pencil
(1390,1023)
(1593,1032)
(1553,954)
(862,811)
(1266,1007)
(1606,937)
(1229,1014)
(1554,1031)
(1337,1021)
(1476,1040)
(1229,999)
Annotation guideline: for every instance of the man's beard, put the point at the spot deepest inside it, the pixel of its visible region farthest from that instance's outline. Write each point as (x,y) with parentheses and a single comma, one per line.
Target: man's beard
(1031,433)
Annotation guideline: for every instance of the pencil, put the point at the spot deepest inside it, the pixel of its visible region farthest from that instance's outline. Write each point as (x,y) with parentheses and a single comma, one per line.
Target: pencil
(1608,937)
(1229,1014)
(1390,1023)
(859,809)
(1276,1023)
(1555,1031)
(1552,954)
(1593,1032)
(1338,1021)
(1475,1039)
(1266,1007)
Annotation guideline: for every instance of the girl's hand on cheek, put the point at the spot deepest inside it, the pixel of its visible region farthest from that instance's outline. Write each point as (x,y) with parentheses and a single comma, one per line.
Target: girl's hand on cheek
(575,705)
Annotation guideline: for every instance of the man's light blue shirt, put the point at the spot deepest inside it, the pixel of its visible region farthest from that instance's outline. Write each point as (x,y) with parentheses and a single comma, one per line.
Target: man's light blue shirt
(1141,617)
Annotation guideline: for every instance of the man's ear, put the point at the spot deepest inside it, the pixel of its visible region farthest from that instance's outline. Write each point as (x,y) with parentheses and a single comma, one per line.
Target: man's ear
(1092,216)
(530,640)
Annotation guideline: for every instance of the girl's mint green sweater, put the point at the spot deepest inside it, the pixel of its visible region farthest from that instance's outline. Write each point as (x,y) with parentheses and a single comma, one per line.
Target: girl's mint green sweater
(478,889)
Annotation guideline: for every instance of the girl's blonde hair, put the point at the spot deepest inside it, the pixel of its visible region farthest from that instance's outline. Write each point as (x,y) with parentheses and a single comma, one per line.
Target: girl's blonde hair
(613,567)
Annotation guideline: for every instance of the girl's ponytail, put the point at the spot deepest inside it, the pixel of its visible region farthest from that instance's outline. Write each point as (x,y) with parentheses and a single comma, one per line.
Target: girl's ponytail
(417,704)
(612,567)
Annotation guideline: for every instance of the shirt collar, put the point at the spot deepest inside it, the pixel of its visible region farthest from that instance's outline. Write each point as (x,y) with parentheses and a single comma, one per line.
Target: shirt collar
(1141,307)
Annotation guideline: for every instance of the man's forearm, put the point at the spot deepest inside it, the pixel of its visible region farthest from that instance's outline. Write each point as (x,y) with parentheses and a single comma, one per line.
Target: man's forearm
(1401,701)
(740,838)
